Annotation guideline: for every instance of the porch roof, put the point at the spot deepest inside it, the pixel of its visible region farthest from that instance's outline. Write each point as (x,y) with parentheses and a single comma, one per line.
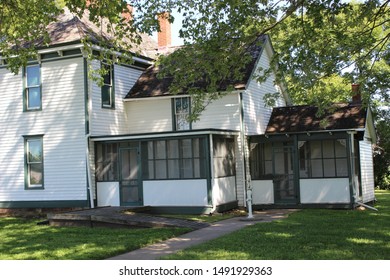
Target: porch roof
(294,119)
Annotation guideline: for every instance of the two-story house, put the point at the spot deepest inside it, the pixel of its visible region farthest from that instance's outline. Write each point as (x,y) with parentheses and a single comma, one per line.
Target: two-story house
(67,142)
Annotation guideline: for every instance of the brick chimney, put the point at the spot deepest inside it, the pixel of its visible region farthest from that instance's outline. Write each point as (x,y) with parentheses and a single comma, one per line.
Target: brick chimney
(356,95)
(164,36)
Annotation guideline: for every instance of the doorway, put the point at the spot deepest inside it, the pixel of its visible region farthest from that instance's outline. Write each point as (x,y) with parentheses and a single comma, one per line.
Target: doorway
(283,173)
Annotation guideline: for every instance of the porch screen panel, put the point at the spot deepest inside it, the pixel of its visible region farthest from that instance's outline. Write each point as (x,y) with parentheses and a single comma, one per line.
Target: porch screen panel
(224,164)
(106,162)
(261,161)
(323,159)
(160,160)
(174,159)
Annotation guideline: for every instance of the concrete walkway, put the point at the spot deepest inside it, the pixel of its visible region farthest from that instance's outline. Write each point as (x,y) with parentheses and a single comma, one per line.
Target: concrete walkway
(199,236)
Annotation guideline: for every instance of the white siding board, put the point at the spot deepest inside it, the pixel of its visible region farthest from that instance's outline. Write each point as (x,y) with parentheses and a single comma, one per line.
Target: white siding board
(327,190)
(367,171)
(61,121)
(262,192)
(175,193)
(223,113)
(256,113)
(112,121)
(224,190)
(152,115)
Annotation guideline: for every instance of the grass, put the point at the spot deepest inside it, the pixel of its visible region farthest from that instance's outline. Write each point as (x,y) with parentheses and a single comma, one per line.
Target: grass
(24,239)
(307,234)
(310,234)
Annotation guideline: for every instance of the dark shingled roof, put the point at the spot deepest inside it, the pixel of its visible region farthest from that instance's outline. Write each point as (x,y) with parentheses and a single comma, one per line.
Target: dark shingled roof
(148,85)
(69,28)
(304,118)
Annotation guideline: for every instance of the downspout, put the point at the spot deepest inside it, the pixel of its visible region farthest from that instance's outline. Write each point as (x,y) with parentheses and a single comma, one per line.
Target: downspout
(89,176)
(87,109)
(354,198)
(247,178)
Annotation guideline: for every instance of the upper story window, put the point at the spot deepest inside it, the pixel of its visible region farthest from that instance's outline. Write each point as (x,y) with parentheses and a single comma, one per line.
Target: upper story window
(108,95)
(33,91)
(34,162)
(182,106)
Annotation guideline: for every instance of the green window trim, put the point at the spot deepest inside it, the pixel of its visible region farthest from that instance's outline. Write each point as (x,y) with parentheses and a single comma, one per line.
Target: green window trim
(107,88)
(181,109)
(173,159)
(33,162)
(32,88)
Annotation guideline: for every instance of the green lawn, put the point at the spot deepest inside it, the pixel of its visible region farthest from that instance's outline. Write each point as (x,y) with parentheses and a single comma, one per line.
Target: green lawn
(308,234)
(23,239)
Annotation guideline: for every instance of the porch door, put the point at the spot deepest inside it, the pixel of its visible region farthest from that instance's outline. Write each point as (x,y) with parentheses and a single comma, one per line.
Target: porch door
(284,187)
(130,183)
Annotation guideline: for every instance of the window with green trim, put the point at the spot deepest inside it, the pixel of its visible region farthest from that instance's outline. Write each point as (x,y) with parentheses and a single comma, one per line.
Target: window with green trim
(174,159)
(224,163)
(33,90)
(323,159)
(108,95)
(182,107)
(34,162)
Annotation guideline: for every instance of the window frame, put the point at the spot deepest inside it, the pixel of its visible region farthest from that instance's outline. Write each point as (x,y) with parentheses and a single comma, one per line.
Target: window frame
(176,114)
(109,85)
(153,159)
(28,164)
(26,89)
(323,158)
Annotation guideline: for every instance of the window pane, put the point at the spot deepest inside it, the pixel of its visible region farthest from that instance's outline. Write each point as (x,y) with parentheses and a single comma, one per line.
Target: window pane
(173,168)
(32,73)
(106,95)
(341,167)
(329,168)
(107,77)
(186,146)
(34,148)
(197,168)
(35,175)
(195,146)
(316,168)
(315,149)
(268,151)
(187,168)
(340,146)
(34,97)
(160,151)
(161,169)
(150,170)
(150,150)
(173,148)
(328,148)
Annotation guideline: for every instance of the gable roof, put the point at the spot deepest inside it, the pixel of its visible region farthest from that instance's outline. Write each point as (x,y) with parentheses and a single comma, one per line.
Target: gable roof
(294,119)
(149,85)
(69,28)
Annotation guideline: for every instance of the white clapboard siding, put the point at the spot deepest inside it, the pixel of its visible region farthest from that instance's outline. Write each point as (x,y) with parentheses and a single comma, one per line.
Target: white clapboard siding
(367,173)
(223,113)
(150,115)
(61,122)
(256,113)
(105,121)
